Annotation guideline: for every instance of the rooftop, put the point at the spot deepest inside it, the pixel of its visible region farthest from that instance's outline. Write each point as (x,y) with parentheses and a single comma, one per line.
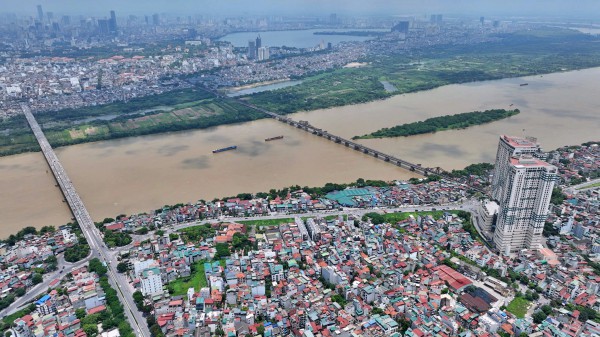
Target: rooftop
(519,141)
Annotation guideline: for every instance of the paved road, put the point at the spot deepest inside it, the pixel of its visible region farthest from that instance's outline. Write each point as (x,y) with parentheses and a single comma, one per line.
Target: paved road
(583,186)
(38,289)
(468,205)
(92,234)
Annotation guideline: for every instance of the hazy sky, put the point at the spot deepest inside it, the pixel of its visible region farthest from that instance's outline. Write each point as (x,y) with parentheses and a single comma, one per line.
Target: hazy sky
(586,8)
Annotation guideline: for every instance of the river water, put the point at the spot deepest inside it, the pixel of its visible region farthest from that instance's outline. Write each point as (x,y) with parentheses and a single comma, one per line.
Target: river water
(559,109)
(139,174)
(143,173)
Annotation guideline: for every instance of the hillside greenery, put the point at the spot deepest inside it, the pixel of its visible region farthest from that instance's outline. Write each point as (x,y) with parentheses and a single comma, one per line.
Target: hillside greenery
(448,122)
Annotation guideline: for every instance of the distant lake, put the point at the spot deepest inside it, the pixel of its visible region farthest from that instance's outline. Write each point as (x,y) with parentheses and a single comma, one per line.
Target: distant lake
(295,38)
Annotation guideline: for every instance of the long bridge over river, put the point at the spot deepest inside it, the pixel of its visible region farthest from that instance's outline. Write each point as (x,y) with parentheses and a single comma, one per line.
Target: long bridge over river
(83,218)
(304,125)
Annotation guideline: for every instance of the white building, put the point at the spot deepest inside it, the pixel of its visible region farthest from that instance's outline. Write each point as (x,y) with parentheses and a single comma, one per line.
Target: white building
(523,187)
(487,211)
(263,53)
(151,282)
(140,266)
(509,147)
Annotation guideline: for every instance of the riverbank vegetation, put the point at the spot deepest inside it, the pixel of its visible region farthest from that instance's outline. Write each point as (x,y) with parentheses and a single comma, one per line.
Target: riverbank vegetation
(173,111)
(523,53)
(448,122)
(532,52)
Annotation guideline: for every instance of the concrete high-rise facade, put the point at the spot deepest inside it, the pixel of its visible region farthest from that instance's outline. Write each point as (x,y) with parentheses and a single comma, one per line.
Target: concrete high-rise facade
(40,13)
(252,49)
(112,23)
(509,147)
(522,185)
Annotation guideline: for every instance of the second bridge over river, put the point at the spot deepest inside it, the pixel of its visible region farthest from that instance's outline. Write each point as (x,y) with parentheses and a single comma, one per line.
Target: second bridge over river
(304,125)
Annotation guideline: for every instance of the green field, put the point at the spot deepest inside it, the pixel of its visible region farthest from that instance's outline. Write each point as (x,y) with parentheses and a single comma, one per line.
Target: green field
(523,53)
(197,280)
(393,218)
(518,307)
(266,222)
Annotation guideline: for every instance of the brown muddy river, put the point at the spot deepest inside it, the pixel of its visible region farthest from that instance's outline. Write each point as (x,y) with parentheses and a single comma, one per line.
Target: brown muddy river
(144,173)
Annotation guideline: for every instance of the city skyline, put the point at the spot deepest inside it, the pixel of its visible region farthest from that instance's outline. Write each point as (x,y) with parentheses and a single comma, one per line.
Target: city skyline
(585,8)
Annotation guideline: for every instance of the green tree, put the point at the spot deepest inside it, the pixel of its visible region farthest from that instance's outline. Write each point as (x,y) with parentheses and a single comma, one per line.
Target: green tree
(260,330)
(222,250)
(37,278)
(122,267)
(173,236)
(95,265)
(539,317)
(546,309)
(20,292)
(80,313)
(90,330)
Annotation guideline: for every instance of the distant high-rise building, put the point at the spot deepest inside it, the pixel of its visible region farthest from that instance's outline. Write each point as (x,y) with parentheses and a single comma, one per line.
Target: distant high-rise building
(496,23)
(263,53)
(66,20)
(40,13)
(156,19)
(112,23)
(435,18)
(523,186)
(258,42)
(481,20)
(50,16)
(103,27)
(251,49)
(333,18)
(401,27)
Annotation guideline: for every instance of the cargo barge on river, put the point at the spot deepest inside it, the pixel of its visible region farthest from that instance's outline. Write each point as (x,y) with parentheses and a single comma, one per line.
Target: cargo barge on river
(229,148)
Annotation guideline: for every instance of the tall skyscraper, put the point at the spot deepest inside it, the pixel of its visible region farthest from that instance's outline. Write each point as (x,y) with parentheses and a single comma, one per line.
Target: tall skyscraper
(522,185)
(251,49)
(103,26)
(510,147)
(112,23)
(156,19)
(258,42)
(40,13)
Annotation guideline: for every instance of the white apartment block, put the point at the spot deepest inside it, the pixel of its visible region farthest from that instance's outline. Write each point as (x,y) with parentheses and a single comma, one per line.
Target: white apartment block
(523,188)
(151,282)
(509,147)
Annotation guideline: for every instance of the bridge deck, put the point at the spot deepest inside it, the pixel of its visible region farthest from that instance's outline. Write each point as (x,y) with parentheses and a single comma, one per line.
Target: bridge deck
(348,143)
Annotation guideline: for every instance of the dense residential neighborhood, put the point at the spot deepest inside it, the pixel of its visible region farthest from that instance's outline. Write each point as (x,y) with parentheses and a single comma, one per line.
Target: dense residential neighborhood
(503,249)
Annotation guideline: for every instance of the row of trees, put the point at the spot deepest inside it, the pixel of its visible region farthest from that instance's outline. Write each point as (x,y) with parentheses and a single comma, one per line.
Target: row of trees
(313,191)
(481,169)
(114,316)
(430,125)
(14,238)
